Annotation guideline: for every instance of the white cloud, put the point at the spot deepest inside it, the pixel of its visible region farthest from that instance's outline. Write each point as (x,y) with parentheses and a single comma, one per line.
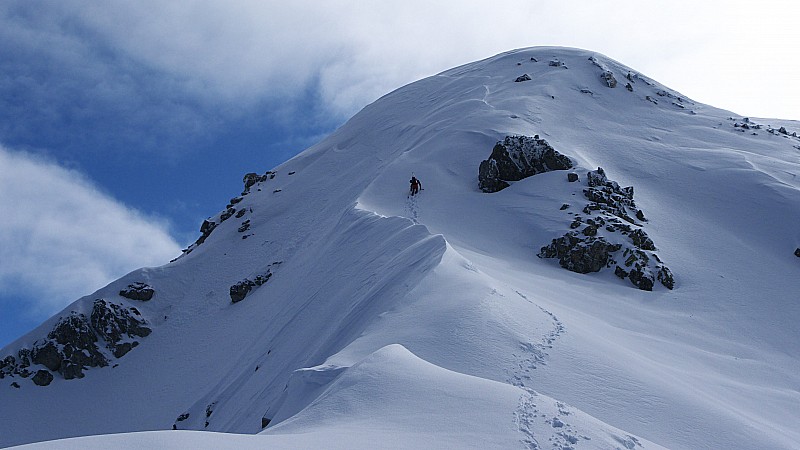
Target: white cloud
(62,238)
(731,53)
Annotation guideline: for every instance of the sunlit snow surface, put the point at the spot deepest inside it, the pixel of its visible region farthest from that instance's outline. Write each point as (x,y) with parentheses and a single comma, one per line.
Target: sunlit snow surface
(430,322)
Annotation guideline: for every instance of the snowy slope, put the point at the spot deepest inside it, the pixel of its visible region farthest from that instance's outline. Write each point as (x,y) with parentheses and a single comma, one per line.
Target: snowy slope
(430,321)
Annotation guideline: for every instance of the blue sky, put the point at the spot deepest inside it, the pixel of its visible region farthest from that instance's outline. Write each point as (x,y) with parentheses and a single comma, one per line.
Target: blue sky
(124,124)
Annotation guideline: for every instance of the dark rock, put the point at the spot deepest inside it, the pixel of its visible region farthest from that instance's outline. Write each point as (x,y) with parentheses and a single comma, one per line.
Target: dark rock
(556,63)
(521,78)
(782,130)
(236,200)
(245,226)
(596,177)
(641,279)
(665,277)
(620,272)
(489,177)
(227,214)
(797,252)
(138,291)
(582,255)
(292,173)
(518,157)
(640,215)
(42,378)
(564,206)
(572,177)
(15,385)
(240,290)
(591,230)
(249,180)
(47,355)
(205,229)
(241,213)
(629,87)
(264,422)
(78,345)
(642,240)
(183,417)
(114,323)
(608,77)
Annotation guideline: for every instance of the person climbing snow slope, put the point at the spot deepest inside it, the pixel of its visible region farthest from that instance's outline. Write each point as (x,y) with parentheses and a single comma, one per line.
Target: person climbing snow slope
(416,185)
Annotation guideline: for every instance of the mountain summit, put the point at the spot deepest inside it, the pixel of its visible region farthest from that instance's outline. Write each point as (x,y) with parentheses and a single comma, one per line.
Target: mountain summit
(594,261)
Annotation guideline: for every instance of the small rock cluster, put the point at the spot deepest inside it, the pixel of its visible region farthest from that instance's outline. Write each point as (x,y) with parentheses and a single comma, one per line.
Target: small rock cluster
(241,289)
(78,342)
(518,157)
(209,225)
(747,125)
(608,229)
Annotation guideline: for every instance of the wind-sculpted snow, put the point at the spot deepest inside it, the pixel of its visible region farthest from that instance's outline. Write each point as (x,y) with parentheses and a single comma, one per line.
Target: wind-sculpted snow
(430,321)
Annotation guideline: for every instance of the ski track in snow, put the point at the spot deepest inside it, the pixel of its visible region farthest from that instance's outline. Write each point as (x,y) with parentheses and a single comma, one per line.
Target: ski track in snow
(535,354)
(412,208)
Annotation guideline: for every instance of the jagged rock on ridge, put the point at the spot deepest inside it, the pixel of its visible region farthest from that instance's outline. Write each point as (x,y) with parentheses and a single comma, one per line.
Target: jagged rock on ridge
(138,291)
(518,157)
(521,78)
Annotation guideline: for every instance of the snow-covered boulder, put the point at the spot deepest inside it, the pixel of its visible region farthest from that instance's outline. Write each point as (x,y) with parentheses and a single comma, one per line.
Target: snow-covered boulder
(518,157)
(580,254)
(138,291)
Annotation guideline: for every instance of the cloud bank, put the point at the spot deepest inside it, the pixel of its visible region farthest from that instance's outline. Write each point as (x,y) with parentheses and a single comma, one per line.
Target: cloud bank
(189,66)
(62,238)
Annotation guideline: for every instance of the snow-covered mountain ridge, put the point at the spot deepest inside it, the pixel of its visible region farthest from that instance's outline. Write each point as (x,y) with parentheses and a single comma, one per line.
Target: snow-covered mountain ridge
(325,306)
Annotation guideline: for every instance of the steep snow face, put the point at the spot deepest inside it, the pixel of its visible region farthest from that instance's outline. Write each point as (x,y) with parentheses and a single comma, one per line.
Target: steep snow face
(335,264)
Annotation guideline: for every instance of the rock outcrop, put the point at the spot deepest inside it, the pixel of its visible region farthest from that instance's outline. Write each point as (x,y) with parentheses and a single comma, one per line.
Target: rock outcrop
(609,228)
(518,157)
(78,342)
(241,289)
(250,180)
(138,291)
